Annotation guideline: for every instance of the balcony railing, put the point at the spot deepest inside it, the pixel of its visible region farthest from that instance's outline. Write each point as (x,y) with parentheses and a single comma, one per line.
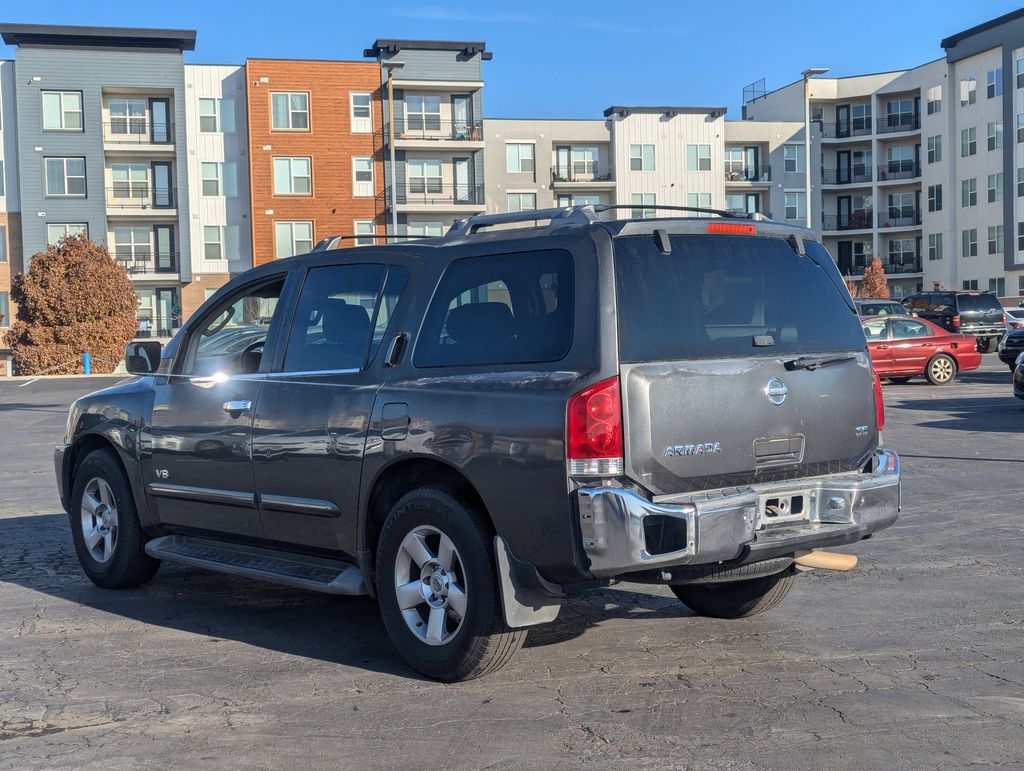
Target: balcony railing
(433,128)
(138,131)
(899,217)
(430,194)
(843,130)
(580,174)
(161,262)
(749,174)
(903,121)
(157,326)
(891,266)
(899,170)
(857,220)
(141,197)
(851,176)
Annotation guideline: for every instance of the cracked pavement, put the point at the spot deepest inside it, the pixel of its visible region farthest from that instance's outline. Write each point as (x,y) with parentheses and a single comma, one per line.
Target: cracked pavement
(915,659)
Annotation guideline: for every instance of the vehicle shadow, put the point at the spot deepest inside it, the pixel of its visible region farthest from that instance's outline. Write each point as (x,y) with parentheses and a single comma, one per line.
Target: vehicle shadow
(33,407)
(39,555)
(999,414)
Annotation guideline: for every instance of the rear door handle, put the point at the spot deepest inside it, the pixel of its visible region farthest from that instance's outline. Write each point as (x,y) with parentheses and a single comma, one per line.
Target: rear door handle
(236,407)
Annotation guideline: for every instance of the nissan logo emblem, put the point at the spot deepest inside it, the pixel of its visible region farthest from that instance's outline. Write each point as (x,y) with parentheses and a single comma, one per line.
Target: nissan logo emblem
(776,391)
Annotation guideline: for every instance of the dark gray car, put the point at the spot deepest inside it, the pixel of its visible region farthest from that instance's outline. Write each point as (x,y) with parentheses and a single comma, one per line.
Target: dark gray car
(468,427)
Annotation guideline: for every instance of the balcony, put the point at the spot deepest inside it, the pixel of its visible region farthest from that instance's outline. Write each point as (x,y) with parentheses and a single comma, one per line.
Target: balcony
(892,267)
(153,325)
(895,170)
(141,199)
(858,220)
(749,175)
(140,264)
(581,175)
(138,133)
(858,174)
(899,217)
(892,124)
(847,129)
(430,132)
(428,196)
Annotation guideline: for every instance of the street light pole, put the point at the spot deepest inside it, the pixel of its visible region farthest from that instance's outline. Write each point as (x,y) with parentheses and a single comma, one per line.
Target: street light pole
(391,67)
(807,139)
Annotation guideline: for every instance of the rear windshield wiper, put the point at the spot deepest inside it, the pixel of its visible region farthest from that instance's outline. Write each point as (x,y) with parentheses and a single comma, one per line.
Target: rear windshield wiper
(813,362)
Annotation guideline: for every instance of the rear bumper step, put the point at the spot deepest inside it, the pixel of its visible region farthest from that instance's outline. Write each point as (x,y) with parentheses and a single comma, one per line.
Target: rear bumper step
(303,572)
(842,509)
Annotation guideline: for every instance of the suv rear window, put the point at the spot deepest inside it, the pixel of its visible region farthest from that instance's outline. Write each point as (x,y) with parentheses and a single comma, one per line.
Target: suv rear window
(714,293)
(971,303)
(502,309)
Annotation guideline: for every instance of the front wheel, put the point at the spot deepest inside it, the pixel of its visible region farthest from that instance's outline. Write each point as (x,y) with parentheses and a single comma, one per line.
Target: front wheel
(984,344)
(941,370)
(737,599)
(438,589)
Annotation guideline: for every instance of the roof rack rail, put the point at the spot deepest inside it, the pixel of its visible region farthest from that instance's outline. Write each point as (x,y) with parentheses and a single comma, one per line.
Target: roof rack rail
(334,242)
(567,215)
(656,207)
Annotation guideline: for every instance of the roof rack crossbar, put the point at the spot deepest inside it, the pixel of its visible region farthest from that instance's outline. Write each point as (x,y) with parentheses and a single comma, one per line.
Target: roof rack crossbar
(665,207)
(568,215)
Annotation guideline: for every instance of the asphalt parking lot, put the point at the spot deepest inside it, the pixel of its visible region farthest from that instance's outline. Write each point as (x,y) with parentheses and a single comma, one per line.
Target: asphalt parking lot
(916,659)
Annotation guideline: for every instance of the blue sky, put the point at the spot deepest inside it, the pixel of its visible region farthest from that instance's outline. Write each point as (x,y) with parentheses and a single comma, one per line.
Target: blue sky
(568,60)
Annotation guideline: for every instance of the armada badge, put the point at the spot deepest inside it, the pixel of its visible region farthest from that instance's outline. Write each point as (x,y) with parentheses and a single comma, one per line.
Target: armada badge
(702,448)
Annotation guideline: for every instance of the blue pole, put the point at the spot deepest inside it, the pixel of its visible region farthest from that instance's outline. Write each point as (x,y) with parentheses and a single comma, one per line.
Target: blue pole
(87,363)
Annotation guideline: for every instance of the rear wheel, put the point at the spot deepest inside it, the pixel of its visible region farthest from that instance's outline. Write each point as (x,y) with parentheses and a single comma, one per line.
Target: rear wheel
(438,589)
(984,344)
(739,599)
(899,380)
(941,370)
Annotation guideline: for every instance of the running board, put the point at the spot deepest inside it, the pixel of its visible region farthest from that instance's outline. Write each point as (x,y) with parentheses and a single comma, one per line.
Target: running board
(314,573)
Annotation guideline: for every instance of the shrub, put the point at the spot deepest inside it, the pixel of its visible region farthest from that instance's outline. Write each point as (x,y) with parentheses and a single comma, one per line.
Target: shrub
(874,283)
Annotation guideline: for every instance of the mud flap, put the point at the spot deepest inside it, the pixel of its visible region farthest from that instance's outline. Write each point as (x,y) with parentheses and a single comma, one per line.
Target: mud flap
(526,598)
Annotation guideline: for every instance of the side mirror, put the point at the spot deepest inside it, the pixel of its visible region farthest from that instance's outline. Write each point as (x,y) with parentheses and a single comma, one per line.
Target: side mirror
(142,358)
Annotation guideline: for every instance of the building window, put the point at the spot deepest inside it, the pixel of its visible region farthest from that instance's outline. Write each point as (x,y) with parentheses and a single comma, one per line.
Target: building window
(969,192)
(65,177)
(365,232)
(578,200)
(995,187)
(969,243)
(292,176)
(362,177)
(55,231)
(289,111)
(130,181)
(1020,125)
(522,202)
(861,253)
(934,100)
(291,238)
(641,202)
(860,118)
(793,157)
(519,158)
(425,229)
(997,285)
(423,113)
(994,83)
(424,176)
(641,157)
(127,116)
(3,243)
(970,284)
(934,149)
(968,142)
(216,115)
(796,206)
(1020,279)
(968,91)
(133,245)
(1020,236)
(698,157)
(899,113)
(5,310)
(995,239)
(2,193)
(584,161)
(995,135)
(62,111)
(219,179)
(934,197)
(935,246)
(698,201)
(1020,183)
(902,251)
(362,113)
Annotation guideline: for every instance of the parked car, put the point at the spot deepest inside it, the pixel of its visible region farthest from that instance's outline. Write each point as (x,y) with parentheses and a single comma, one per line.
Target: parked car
(869,307)
(1014,318)
(1018,378)
(1011,347)
(469,427)
(966,313)
(902,348)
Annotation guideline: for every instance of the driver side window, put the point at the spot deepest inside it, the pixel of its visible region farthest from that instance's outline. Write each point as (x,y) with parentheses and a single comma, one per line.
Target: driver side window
(230,340)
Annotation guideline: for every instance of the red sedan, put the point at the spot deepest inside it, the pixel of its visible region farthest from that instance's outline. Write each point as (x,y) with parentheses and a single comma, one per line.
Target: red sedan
(903,347)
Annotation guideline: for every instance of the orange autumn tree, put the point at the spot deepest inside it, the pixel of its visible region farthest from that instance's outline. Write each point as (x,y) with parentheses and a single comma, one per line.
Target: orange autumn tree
(874,283)
(73,299)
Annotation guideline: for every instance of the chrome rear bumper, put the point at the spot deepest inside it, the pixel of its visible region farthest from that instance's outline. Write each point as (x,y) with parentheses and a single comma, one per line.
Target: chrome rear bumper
(843,508)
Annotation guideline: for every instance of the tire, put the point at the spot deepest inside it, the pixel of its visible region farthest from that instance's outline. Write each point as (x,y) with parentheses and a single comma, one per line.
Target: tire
(984,344)
(739,599)
(1013,368)
(941,370)
(898,380)
(105,524)
(429,633)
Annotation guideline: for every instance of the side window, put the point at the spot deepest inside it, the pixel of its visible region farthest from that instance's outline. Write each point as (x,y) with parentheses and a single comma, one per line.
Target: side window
(341,317)
(504,309)
(875,330)
(231,339)
(902,329)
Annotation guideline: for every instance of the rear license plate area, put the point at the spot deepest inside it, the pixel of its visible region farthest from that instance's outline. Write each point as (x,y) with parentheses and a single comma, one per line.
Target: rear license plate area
(776,508)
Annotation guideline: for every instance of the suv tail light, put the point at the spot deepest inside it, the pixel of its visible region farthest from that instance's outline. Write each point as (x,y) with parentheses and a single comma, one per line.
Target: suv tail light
(956,321)
(879,403)
(594,430)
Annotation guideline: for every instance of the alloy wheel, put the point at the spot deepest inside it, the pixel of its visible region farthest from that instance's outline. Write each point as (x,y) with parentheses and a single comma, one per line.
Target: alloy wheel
(99,520)
(430,585)
(942,370)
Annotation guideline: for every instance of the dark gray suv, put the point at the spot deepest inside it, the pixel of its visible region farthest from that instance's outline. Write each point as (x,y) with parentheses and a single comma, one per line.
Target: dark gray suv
(470,426)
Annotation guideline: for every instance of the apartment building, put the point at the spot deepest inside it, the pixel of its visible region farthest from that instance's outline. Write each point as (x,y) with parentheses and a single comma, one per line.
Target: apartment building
(432,133)
(315,161)
(102,150)
(10,207)
(538,164)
